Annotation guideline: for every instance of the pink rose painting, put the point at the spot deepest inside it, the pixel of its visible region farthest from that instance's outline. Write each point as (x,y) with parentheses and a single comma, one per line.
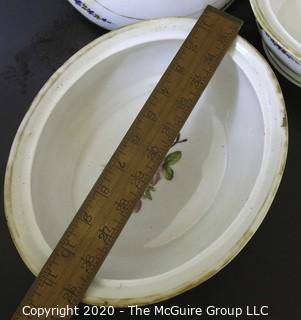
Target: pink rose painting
(165,170)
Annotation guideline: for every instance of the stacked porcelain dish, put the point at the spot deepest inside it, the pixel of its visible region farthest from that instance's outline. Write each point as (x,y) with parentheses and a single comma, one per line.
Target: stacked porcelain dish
(112,14)
(280,27)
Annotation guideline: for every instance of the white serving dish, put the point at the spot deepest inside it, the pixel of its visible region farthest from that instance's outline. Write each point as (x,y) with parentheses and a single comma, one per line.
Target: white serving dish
(223,184)
(112,14)
(279,24)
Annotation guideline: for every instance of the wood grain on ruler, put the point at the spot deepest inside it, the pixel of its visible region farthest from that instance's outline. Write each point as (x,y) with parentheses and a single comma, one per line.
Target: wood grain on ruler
(79,254)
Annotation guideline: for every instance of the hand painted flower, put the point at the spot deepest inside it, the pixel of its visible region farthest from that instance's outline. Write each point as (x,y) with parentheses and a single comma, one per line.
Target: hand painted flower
(165,170)
(138,206)
(156,178)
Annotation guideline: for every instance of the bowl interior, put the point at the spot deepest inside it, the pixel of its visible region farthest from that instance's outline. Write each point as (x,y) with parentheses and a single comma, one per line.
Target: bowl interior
(288,13)
(215,162)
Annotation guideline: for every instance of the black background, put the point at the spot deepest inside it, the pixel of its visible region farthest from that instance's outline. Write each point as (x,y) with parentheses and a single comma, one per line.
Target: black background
(36,37)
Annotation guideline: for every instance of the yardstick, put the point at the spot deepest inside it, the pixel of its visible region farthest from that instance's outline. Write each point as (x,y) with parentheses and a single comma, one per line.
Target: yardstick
(87,241)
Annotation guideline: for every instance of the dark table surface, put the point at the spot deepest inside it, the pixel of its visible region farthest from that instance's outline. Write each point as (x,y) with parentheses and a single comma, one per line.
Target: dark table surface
(36,38)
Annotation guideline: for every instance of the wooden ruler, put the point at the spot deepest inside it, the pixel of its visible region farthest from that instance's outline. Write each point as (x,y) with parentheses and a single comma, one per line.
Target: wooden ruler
(67,274)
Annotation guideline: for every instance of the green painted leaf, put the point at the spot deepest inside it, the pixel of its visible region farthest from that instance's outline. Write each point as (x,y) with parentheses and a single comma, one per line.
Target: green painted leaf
(151,188)
(168,173)
(172,158)
(147,194)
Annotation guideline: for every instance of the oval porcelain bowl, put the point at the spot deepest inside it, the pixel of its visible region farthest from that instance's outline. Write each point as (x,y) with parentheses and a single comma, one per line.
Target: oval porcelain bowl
(223,170)
(279,24)
(112,14)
